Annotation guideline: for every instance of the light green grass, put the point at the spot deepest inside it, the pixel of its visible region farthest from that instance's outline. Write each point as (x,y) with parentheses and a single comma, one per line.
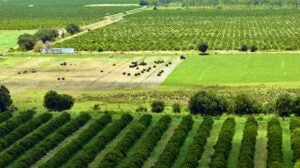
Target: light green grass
(234,70)
(286,145)
(9,38)
(261,152)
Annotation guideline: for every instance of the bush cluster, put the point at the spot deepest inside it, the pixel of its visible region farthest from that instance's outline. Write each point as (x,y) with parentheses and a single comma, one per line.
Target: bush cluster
(295,129)
(137,159)
(5,99)
(275,156)
(170,153)
(113,158)
(196,149)
(4,116)
(244,104)
(91,150)
(247,150)
(15,122)
(158,106)
(74,146)
(29,141)
(52,141)
(23,130)
(224,143)
(58,102)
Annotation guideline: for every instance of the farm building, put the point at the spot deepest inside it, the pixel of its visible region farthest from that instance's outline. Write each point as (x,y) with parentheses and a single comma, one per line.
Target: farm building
(58,51)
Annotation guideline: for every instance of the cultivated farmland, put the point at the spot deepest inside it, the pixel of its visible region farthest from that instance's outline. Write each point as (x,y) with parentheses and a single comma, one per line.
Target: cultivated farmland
(84,140)
(183,29)
(8,38)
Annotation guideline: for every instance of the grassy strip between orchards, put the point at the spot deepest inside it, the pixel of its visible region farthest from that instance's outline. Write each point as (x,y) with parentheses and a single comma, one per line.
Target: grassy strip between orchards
(224,144)
(137,159)
(260,156)
(23,130)
(114,157)
(52,141)
(169,155)
(5,116)
(286,145)
(90,151)
(275,156)
(29,141)
(64,154)
(295,129)
(197,147)
(247,150)
(15,122)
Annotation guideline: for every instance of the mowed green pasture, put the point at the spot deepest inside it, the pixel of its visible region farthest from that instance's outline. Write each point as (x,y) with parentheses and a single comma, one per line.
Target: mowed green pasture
(236,70)
(9,38)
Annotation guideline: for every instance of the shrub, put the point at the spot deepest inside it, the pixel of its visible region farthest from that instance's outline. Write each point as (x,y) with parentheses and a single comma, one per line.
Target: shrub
(243,104)
(253,48)
(5,99)
(207,103)
(284,105)
(244,48)
(296,108)
(73,29)
(91,150)
(143,3)
(26,41)
(176,108)
(158,106)
(275,156)
(197,147)
(203,47)
(170,153)
(46,34)
(58,102)
(224,143)
(247,150)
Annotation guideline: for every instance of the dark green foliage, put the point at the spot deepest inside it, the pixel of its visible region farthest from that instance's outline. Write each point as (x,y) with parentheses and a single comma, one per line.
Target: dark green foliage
(29,141)
(207,103)
(197,148)
(244,48)
(275,156)
(223,146)
(141,109)
(113,158)
(5,116)
(73,29)
(247,150)
(15,122)
(52,141)
(58,102)
(243,104)
(144,3)
(137,159)
(64,154)
(91,150)
(176,108)
(284,105)
(203,47)
(46,34)
(158,106)
(296,108)
(170,153)
(295,138)
(5,99)
(253,48)
(26,41)
(23,130)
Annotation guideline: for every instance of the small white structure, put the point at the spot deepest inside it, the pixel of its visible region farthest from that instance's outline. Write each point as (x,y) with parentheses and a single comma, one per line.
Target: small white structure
(58,51)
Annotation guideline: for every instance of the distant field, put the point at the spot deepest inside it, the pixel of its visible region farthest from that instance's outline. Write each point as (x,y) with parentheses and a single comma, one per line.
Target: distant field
(16,14)
(243,69)
(8,39)
(183,29)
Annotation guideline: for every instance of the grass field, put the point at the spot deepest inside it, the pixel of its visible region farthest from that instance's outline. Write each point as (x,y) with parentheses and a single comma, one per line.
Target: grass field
(9,38)
(237,70)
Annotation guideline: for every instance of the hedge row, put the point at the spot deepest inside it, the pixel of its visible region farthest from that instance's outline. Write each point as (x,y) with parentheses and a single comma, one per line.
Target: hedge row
(275,156)
(29,141)
(64,154)
(5,116)
(169,155)
(15,122)
(295,129)
(196,149)
(224,143)
(137,159)
(247,150)
(23,130)
(52,141)
(113,158)
(91,150)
